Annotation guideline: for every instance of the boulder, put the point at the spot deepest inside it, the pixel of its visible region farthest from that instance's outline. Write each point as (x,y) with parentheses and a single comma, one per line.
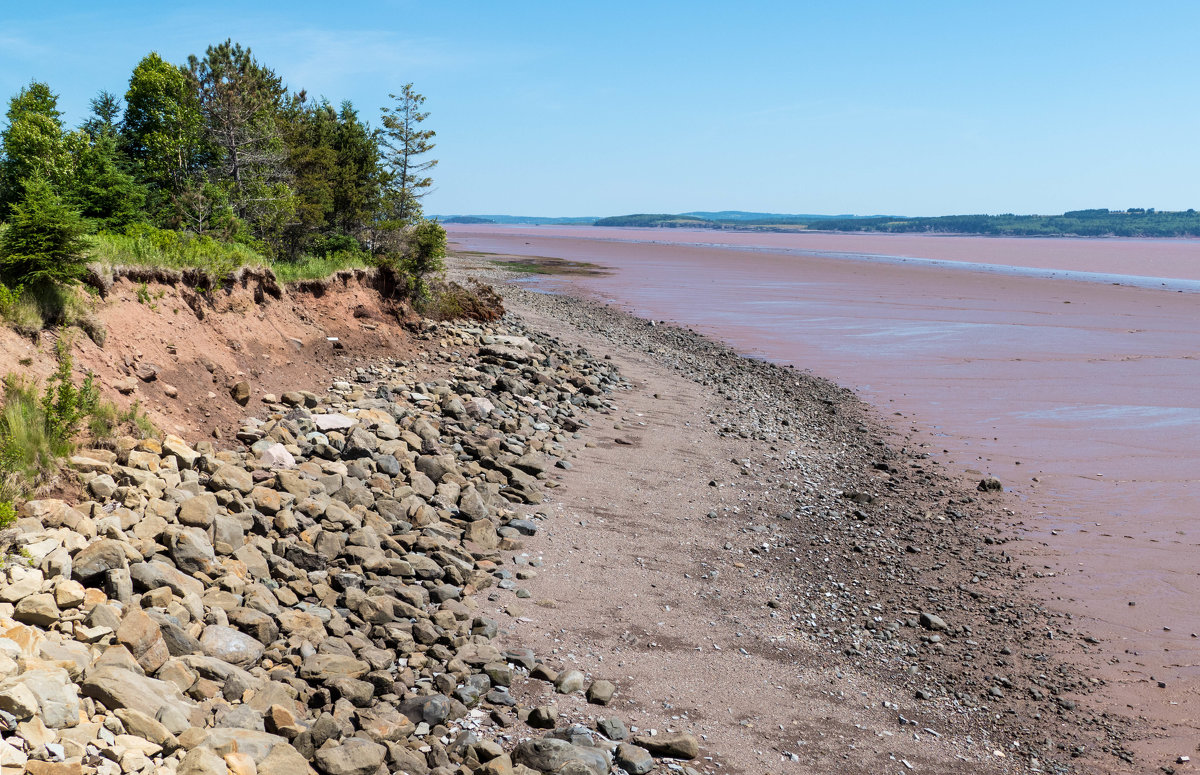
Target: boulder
(550,755)
(56,698)
(141,635)
(40,610)
(353,757)
(675,745)
(199,510)
(98,558)
(119,688)
(231,477)
(191,550)
(229,645)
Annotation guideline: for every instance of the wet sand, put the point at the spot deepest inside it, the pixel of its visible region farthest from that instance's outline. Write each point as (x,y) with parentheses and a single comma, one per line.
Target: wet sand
(1079,396)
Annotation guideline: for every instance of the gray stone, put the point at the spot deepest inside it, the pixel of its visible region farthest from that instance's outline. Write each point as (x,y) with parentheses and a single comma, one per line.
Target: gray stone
(156,573)
(231,477)
(229,645)
(432,709)
(634,759)
(359,443)
(332,422)
(933,622)
(39,610)
(97,558)
(284,760)
(56,697)
(199,510)
(191,550)
(240,392)
(601,692)
(675,745)
(550,755)
(569,681)
(353,757)
(118,688)
(276,456)
(612,728)
(202,761)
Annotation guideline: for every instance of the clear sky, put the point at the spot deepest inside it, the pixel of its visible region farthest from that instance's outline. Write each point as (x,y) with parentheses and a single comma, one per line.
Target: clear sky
(571,108)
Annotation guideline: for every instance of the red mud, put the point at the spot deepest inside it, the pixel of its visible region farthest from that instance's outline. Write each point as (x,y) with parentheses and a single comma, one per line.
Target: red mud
(1080,396)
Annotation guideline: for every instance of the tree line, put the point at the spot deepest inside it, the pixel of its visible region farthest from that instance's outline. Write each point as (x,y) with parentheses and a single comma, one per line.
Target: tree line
(1099,222)
(218,147)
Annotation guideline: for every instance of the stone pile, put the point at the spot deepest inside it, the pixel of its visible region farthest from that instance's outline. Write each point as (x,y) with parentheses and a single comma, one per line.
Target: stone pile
(306,604)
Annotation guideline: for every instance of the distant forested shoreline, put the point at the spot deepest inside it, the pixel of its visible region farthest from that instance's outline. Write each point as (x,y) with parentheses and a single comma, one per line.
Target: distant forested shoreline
(1134,222)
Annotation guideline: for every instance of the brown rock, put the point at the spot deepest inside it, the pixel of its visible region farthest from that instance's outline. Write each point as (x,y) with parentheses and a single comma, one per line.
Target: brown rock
(675,745)
(241,392)
(141,635)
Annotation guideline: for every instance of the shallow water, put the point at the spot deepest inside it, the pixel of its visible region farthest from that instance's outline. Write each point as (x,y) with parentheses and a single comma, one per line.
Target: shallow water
(1020,359)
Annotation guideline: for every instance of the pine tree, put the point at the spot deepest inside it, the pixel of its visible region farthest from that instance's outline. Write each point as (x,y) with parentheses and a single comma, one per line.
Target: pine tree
(406,142)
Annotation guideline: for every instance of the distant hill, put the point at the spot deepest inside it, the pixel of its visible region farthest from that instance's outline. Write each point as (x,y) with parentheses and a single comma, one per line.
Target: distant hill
(728,219)
(531,220)
(742,215)
(1134,222)
(655,220)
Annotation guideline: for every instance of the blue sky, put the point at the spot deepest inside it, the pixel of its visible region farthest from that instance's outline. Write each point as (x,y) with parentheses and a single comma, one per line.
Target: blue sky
(566,108)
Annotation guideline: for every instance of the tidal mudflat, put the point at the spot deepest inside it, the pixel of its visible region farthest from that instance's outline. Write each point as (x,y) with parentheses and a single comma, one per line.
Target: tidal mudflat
(1078,394)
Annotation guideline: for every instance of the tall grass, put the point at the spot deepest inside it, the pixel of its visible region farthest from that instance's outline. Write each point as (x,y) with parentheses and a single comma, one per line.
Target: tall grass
(147,246)
(318,267)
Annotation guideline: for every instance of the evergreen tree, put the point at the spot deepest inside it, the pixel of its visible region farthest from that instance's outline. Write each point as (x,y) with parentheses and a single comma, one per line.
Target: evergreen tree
(44,242)
(32,143)
(241,101)
(406,142)
(101,189)
(106,109)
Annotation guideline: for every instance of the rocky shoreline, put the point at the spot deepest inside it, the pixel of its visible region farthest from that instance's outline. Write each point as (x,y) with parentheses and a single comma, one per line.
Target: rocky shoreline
(341,594)
(308,602)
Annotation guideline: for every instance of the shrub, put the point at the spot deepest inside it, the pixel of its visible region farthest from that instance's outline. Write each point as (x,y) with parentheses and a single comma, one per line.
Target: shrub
(36,431)
(64,405)
(475,301)
(426,255)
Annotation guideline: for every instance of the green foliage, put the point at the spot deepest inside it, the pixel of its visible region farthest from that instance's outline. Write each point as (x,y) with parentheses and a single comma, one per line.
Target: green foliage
(37,432)
(219,152)
(9,299)
(33,143)
(162,128)
(1135,222)
(102,190)
(474,301)
(426,255)
(44,241)
(106,109)
(107,418)
(649,220)
(64,405)
(8,514)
